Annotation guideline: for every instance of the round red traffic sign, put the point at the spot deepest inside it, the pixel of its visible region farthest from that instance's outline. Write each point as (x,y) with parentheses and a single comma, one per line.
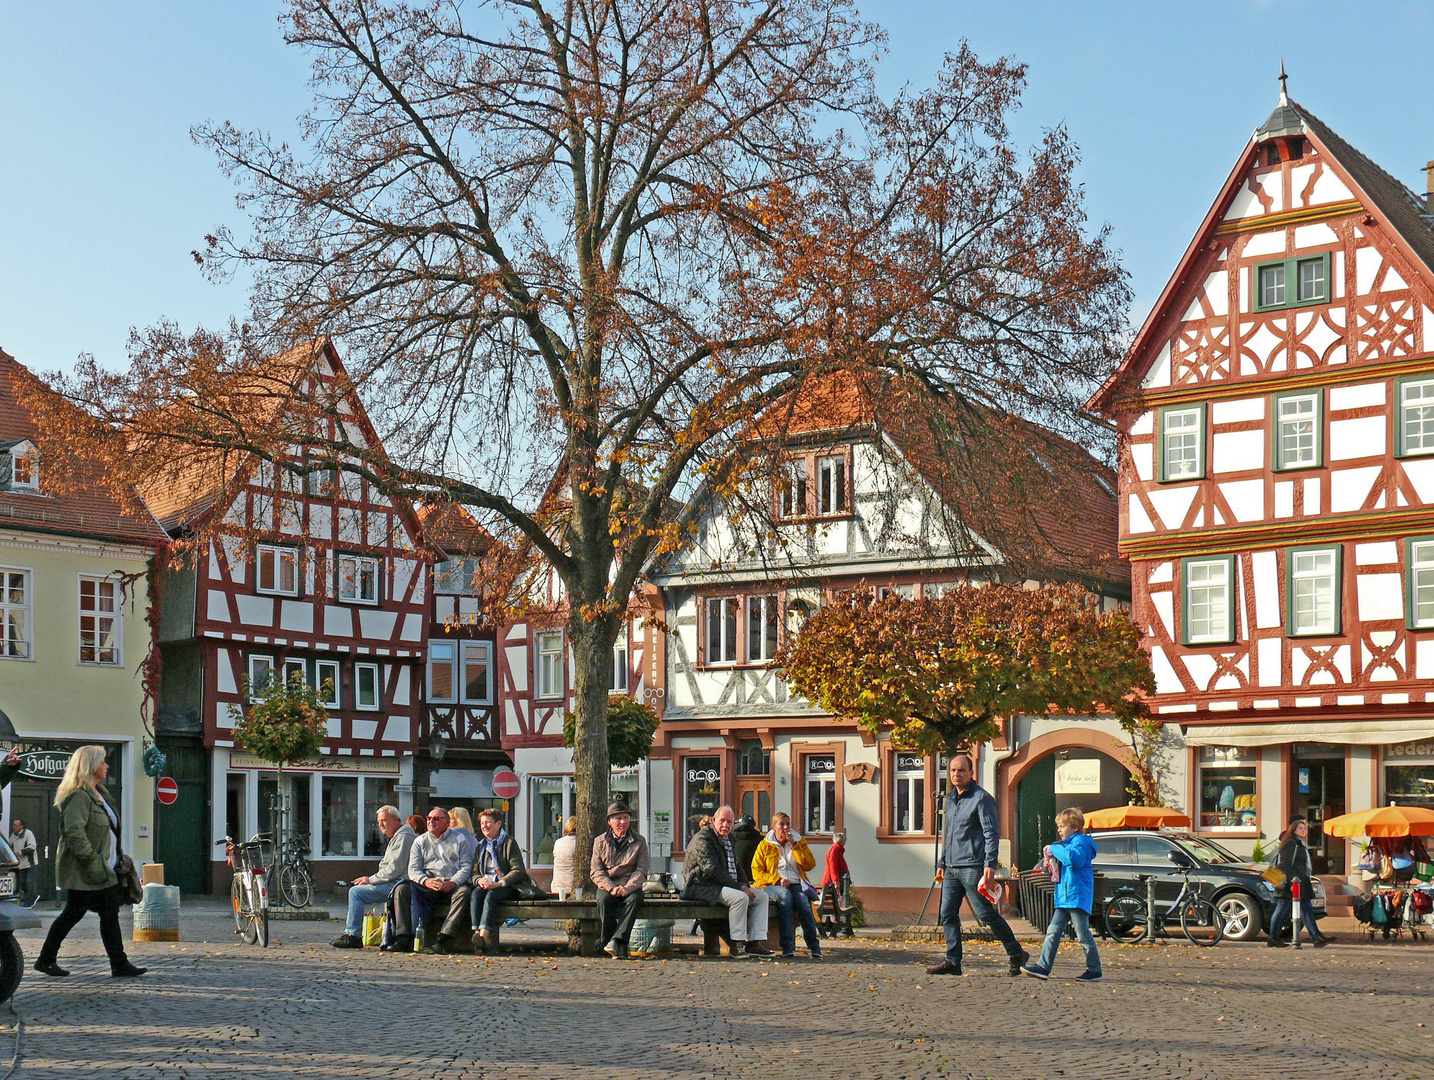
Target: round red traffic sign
(505,783)
(166,791)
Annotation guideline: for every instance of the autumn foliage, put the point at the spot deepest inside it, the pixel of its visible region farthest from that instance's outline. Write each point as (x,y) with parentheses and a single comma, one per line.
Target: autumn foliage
(942,672)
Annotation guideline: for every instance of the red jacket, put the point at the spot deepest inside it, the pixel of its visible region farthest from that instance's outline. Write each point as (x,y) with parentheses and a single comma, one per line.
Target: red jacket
(836,865)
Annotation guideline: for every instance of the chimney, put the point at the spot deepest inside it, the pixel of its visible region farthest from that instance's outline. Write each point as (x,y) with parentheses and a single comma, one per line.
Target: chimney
(1429,188)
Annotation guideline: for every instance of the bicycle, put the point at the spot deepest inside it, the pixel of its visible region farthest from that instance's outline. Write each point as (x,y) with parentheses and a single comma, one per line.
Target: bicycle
(296,880)
(1127,912)
(249,888)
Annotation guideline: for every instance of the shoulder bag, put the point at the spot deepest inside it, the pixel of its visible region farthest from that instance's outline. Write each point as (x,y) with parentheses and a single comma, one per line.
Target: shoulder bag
(132,889)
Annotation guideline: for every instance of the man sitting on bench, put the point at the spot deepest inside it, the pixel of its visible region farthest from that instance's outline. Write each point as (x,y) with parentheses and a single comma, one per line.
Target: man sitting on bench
(619,870)
(714,877)
(375,889)
(439,868)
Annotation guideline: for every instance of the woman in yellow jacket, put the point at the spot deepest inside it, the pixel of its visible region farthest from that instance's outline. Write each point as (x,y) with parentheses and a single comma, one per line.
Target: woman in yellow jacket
(780,869)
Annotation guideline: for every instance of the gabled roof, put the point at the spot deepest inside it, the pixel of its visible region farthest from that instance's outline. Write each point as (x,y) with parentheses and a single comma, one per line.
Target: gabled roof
(453,530)
(88,511)
(1393,205)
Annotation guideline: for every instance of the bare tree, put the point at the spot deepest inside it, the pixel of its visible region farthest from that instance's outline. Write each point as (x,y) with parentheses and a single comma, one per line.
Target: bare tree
(594,240)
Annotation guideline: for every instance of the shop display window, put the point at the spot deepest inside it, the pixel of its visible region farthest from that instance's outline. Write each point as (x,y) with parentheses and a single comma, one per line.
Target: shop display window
(701,791)
(376,792)
(1409,774)
(1225,788)
(547,817)
(338,804)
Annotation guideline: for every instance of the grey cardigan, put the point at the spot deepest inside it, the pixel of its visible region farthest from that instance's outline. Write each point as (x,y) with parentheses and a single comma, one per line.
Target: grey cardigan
(394,864)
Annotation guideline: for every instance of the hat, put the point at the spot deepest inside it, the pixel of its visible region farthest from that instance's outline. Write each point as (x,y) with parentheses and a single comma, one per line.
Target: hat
(1293,818)
(618,807)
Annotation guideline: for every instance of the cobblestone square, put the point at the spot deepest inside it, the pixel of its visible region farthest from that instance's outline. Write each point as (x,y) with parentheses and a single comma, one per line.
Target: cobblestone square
(211,1006)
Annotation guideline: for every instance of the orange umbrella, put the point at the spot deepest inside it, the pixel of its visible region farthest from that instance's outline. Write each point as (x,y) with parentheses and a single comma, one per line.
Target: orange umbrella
(1383,821)
(1135,817)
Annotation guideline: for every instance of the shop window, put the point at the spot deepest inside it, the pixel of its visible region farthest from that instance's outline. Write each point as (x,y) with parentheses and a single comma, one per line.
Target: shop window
(358,579)
(1209,590)
(550,664)
(99,621)
(377,791)
(1420,605)
(622,785)
(367,693)
(328,683)
(1409,774)
(1225,786)
(819,775)
(761,628)
(1298,431)
(277,570)
(909,809)
(1313,593)
(338,815)
(236,806)
(1415,434)
(298,798)
(15,618)
(549,810)
(722,629)
(701,792)
(1182,443)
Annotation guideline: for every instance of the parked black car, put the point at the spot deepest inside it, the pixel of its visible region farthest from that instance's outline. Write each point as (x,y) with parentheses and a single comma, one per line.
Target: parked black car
(12,917)
(1244,898)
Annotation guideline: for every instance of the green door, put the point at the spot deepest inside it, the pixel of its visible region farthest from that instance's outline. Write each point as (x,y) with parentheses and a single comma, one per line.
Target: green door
(1035,812)
(181,829)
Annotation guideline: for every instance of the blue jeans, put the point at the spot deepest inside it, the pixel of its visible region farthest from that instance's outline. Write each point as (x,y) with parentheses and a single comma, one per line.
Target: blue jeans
(360,897)
(484,905)
(1280,920)
(959,883)
(791,899)
(1066,916)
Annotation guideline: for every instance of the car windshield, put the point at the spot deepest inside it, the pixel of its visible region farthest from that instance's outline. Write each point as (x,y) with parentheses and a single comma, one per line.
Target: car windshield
(1207,852)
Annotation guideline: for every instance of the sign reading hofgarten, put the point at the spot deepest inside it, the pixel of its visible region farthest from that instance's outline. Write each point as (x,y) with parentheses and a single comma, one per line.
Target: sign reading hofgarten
(44,764)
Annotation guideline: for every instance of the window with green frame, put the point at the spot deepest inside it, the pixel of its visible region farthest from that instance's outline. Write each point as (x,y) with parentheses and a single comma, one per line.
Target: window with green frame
(1207,600)
(1288,283)
(1414,433)
(1298,435)
(1182,443)
(1419,604)
(1313,591)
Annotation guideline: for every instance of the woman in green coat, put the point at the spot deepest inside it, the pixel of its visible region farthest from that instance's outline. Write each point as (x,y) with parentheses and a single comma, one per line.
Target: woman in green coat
(85,863)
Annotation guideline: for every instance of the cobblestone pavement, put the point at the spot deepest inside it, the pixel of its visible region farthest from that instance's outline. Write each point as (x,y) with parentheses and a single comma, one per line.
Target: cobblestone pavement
(211,1006)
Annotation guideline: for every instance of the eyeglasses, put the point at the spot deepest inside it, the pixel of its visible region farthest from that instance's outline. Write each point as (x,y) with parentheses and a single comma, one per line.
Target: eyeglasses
(437,817)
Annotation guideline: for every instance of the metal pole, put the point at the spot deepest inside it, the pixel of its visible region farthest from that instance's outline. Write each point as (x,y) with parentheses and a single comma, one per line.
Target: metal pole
(1150,919)
(1295,913)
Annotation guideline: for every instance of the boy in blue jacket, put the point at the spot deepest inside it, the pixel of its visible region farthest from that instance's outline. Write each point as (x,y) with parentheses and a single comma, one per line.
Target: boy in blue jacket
(1075,892)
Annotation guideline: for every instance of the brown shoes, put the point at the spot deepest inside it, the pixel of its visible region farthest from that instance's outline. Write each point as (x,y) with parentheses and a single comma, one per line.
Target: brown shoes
(945,967)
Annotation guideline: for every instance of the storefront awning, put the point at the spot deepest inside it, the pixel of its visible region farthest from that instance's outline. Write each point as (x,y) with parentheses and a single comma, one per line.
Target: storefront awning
(1353,732)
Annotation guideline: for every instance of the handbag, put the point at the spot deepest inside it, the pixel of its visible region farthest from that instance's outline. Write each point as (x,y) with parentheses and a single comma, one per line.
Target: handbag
(528,889)
(1275,876)
(1377,915)
(1386,868)
(132,889)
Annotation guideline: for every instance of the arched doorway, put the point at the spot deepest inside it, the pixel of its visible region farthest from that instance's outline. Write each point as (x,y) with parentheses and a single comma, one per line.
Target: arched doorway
(1076,776)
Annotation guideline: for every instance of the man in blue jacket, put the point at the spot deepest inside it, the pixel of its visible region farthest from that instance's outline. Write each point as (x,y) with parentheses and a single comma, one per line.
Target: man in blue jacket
(969,851)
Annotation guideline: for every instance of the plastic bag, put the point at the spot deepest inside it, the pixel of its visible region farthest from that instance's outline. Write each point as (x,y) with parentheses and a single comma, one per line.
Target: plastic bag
(373,929)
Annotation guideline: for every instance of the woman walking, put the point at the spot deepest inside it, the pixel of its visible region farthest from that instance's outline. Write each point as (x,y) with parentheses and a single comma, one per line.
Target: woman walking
(85,863)
(1293,859)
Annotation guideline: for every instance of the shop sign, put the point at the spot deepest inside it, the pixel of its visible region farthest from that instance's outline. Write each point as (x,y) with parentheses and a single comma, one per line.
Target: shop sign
(44,764)
(1078,776)
(662,827)
(1411,751)
(238,760)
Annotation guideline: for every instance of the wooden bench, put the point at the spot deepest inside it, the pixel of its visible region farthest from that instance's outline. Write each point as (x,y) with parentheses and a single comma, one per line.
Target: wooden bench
(713,918)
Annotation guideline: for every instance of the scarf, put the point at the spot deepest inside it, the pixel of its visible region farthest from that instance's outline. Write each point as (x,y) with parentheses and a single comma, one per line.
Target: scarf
(488,854)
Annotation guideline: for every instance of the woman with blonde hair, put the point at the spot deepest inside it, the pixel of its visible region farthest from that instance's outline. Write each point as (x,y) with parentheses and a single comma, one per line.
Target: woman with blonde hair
(458,819)
(565,848)
(85,862)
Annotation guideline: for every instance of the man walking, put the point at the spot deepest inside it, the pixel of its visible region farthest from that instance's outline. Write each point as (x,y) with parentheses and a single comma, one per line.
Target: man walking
(619,870)
(22,840)
(375,889)
(969,852)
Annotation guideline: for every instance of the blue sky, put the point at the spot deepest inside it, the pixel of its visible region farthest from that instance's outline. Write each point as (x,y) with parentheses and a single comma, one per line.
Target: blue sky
(103,196)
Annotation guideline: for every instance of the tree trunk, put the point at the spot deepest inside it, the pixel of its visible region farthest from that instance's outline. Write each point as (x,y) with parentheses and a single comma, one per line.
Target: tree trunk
(591,642)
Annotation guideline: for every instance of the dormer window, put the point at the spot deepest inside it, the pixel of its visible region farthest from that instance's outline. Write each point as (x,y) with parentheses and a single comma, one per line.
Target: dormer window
(815,484)
(22,461)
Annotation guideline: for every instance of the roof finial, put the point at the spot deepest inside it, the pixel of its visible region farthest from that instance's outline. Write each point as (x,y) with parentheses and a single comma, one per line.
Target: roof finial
(1284,90)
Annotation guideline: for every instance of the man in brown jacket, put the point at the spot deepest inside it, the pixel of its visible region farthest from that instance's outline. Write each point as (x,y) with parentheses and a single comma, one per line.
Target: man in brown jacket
(619,869)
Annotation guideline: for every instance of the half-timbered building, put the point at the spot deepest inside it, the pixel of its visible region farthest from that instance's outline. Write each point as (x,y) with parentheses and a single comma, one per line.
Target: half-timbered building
(874,489)
(307,573)
(1276,414)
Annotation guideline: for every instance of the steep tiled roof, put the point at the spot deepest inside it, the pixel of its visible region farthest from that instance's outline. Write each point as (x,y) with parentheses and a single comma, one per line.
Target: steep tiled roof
(453,529)
(88,512)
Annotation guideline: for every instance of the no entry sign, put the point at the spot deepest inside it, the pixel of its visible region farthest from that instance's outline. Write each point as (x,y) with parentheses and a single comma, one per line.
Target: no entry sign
(166,791)
(505,783)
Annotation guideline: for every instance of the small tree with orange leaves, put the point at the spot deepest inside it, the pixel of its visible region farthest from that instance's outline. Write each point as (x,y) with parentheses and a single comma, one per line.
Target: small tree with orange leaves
(942,673)
(596,240)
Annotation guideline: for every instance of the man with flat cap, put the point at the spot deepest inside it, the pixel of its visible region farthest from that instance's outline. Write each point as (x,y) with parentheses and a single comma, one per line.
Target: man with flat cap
(619,869)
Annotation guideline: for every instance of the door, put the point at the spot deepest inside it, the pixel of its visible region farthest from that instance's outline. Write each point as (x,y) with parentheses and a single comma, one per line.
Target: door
(181,829)
(1036,812)
(1317,792)
(32,804)
(754,797)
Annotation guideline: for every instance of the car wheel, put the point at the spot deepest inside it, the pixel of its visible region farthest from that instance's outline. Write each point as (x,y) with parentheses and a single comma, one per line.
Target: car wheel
(12,965)
(1240,914)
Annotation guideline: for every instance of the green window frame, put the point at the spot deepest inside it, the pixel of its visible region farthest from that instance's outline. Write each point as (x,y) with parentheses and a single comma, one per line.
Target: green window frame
(1414,417)
(1297,439)
(1321,610)
(1290,283)
(1419,583)
(1207,594)
(1176,424)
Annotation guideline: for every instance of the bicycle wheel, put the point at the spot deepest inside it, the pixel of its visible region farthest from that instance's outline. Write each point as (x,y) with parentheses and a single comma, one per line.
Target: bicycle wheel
(261,927)
(1125,917)
(295,885)
(1201,922)
(243,918)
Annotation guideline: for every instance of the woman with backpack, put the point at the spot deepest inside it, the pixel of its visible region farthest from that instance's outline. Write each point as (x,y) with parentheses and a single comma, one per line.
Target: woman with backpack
(1293,860)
